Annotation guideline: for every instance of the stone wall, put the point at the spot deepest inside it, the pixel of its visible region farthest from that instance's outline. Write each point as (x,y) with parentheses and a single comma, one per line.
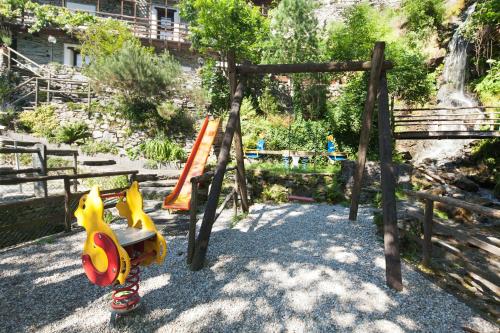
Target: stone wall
(103,121)
(371,178)
(331,10)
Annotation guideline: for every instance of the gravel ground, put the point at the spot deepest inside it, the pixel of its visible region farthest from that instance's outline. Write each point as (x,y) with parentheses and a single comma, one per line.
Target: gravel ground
(298,268)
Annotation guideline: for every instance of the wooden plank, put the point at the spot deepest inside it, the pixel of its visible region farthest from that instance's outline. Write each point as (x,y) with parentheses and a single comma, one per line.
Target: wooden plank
(427,244)
(14,181)
(8,150)
(388,182)
(20,171)
(366,123)
(449,108)
(349,66)
(213,196)
(62,152)
(491,212)
(432,135)
(238,143)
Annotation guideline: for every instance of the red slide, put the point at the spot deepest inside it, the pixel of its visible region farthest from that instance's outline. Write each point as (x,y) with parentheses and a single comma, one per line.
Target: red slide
(180,198)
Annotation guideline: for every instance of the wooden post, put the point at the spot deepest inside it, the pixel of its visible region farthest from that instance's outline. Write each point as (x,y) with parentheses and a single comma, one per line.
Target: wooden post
(67,205)
(40,162)
(192,220)
(213,196)
(75,172)
(238,143)
(235,196)
(48,89)
(37,90)
(391,232)
(376,69)
(427,245)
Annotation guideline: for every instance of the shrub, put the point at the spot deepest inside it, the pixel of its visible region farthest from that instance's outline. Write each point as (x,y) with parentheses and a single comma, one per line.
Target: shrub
(105,37)
(268,104)
(216,84)
(488,88)
(58,162)
(107,183)
(7,116)
(162,150)
(72,133)
(423,16)
(93,147)
(41,121)
(136,72)
(275,192)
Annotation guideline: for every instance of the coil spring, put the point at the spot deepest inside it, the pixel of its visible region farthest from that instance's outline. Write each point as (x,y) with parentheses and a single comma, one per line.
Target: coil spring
(126,297)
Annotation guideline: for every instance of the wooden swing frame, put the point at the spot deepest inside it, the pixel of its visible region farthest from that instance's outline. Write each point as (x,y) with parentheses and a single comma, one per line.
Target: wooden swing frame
(377,86)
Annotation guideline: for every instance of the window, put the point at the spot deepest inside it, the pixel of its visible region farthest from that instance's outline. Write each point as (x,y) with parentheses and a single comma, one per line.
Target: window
(73,56)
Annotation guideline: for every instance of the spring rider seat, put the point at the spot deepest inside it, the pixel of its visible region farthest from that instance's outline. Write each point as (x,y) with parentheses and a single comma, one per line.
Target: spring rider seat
(112,257)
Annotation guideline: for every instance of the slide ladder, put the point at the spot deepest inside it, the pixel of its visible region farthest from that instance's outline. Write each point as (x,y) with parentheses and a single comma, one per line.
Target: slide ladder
(180,198)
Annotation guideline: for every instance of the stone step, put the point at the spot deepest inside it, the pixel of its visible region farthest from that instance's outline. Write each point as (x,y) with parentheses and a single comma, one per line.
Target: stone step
(156,191)
(97,162)
(159,183)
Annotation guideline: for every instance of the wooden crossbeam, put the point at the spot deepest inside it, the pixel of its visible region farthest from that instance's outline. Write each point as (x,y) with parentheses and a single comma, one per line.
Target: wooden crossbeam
(428,135)
(349,66)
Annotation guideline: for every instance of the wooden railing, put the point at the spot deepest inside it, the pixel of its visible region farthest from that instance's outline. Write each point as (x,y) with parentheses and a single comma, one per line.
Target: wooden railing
(428,219)
(42,81)
(143,27)
(443,123)
(67,186)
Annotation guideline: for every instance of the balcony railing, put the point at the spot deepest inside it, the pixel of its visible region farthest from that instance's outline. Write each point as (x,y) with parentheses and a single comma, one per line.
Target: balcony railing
(143,27)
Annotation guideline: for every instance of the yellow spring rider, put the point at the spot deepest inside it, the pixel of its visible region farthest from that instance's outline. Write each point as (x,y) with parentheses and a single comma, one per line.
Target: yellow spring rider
(113,257)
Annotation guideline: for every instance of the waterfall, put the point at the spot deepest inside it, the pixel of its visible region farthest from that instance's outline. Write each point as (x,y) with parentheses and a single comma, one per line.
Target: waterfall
(451,94)
(452,91)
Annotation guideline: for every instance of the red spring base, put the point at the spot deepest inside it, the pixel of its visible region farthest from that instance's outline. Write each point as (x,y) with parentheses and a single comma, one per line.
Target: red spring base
(126,297)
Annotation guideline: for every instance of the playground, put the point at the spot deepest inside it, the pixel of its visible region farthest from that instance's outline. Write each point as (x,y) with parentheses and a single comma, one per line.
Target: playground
(283,268)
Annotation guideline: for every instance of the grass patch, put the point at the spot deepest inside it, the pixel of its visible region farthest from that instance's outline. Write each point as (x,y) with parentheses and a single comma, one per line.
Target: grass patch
(280,169)
(106,183)
(237,218)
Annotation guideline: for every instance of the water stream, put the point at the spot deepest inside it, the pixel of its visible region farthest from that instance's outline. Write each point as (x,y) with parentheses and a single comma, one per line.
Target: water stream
(451,94)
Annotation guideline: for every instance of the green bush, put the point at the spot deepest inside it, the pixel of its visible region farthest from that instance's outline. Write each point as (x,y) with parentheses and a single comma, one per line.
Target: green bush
(93,147)
(41,121)
(107,183)
(216,84)
(58,162)
(488,87)
(423,16)
(275,192)
(162,150)
(105,37)
(71,133)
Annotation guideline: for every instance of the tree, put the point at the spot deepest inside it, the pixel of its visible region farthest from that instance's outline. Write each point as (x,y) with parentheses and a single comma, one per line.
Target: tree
(294,33)
(225,25)
(105,37)
(423,17)
(294,39)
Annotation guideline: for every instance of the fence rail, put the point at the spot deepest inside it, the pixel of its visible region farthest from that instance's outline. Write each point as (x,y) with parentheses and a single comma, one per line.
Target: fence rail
(428,219)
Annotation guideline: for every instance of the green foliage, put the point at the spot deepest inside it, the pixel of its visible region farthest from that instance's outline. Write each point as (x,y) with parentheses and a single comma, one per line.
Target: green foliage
(294,37)
(93,147)
(7,116)
(58,162)
(354,39)
(175,120)
(275,192)
(136,72)
(488,87)
(41,121)
(216,84)
(162,150)
(106,183)
(105,37)
(224,25)
(268,104)
(488,152)
(8,81)
(72,133)
(280,169)
(423,17)
(57,17)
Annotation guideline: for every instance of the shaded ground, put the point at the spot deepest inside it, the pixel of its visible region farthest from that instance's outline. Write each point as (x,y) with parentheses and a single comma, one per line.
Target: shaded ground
(284,268)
